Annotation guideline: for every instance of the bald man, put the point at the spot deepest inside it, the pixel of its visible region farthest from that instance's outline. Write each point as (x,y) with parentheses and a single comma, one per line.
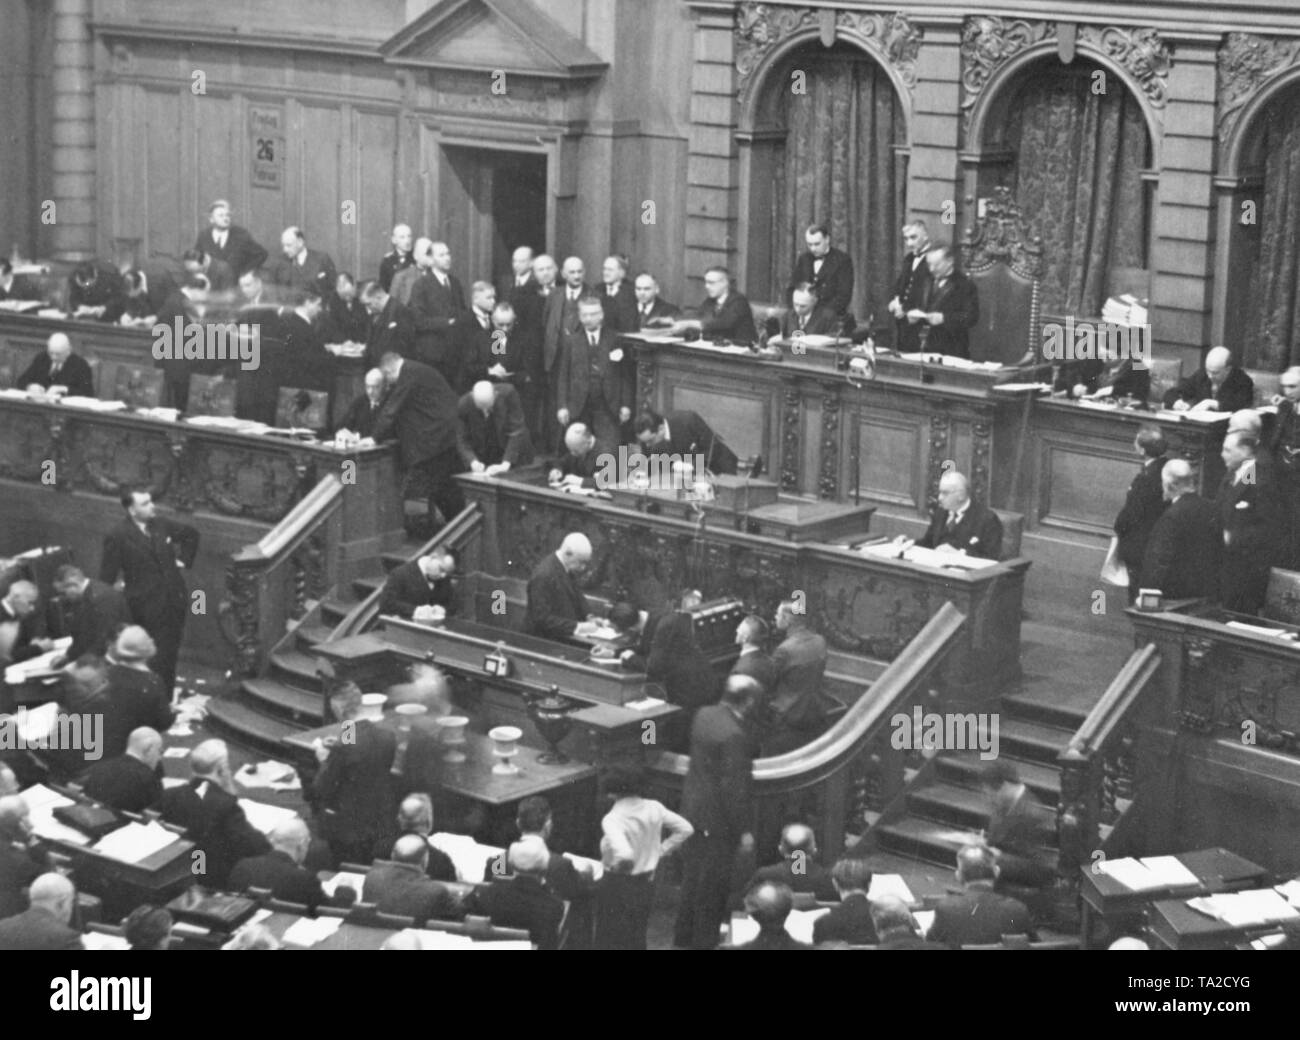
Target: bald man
(131,782)
(1220,386)
(59,366)
(492,437)
(401,884)
(581,461)
(769,903)
(1183,553)
(281,869)
(557,608)
(979,915)
(399,258)
(19,866)
(1285,448)
(961,524)
(524,901)
(799,867)
(18,623)
(44,925)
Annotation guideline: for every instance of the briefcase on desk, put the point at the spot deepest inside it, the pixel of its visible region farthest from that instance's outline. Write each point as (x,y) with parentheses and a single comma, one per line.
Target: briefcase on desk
(92,820)
(219,912)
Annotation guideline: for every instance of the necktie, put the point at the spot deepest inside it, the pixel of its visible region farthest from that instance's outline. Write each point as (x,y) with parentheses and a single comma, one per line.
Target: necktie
(950,524)
(56,368)
(803,321)
(611,291)
(573,294)
(221,239)
(594,338)
(483,320)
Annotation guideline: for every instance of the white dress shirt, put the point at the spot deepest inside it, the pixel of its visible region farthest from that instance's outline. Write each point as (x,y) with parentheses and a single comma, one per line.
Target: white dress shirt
(634,841)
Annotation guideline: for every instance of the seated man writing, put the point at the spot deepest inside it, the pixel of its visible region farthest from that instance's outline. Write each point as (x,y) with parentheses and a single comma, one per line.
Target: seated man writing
(960,524)
(581,464)
(557,608)
(421,590)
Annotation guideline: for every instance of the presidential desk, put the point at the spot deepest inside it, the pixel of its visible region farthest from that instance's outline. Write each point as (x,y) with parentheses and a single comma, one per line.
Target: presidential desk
(867,607)
(62,468)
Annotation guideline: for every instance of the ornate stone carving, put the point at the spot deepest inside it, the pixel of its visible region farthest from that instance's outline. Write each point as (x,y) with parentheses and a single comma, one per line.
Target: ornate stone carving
(759,27)
(523,98)
(1245,62)
(791,439)
(829,483)
(1143,52)
(981,451)
(986,43)
(238,614)
(25,446)
(645,383)
(1002,235)
(940,435)
(892,36)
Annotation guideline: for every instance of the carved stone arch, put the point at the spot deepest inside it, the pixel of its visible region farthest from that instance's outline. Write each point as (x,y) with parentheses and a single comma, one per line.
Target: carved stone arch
(1239,135)
(983,110)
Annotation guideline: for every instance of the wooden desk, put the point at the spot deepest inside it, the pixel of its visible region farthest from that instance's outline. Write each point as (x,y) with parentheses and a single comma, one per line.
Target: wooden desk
(1173,925)
(1217,870)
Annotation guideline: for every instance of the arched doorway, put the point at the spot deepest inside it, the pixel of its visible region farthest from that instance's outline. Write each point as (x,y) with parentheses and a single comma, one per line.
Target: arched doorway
(1072,144)
(828,145)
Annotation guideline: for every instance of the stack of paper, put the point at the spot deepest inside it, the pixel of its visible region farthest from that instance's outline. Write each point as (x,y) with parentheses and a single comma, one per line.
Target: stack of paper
(42,802)
(1290,892)
(344,880)
(1262,630)
(100,941)
(263,817)
(1246,909)
(468,856)
(306,932)
(1170,871)
(94,404)
(276,776)
(644,704)
(1124,310)
(21,306)
(135,842)
(430,940)
(799,925)
(1132,874)
(41,665)
(890,885)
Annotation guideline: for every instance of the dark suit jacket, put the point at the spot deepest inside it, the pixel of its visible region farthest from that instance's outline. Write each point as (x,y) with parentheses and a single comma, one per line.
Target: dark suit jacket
(911,287)
(689,434)
(216,823)
(22,288)
(91,621)
(588,376)
(354,785)
(717,794)
(834,284)
(107,291)
(584,466)
(241,250)
(523,902)
(438,312)
(124,783)
(1142,508)
(1237,391)
(1249,513)
(555,602)
(221,276)
(406,588)
(979,532)
(134,698)
(979,916)
(680,665)
(315,272)
(360,416)
(849,922)
(559,318)
(1182,557)
(76,375)
(733,321)
(18,869)
(440,868)
(507,419)
(155,586)
(822,321)
(758,666)
(519,353)
(472,355)
(800,663)
(302,362)
(772,939)
(958,301)
(402,888)
(1285,443)
(28,628)
(620,309)
(342,321)
(37,929)
(420,411)
(393,328)
(158,287)
(393,262)
(812,878)
(661,308)
(277,871)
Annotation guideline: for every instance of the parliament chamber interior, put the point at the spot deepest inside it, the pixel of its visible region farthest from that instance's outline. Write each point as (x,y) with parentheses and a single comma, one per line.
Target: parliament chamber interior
(600,474)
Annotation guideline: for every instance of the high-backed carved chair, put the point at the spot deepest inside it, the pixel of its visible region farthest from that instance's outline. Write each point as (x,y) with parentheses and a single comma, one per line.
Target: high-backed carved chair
(138,386)
(211,395)
(1282,600)
(1166,373)
(1267,383)
(303,409)
(1004,258)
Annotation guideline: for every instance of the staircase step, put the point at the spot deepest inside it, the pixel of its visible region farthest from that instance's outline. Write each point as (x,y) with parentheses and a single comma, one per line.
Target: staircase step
(310,635)
(964,767)
(363,587)
(249,728)
(1032,706)
(396,559)
(958,806)
(335,610)
(1033,740)
(918,839)
(272,697)
(295,668)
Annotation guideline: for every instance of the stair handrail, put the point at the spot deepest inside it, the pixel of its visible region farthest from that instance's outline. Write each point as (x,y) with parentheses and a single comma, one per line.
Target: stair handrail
(1111,711)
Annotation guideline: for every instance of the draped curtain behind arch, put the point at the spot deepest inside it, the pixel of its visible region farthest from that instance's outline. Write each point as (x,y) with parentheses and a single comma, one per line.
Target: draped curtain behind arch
(1272,312)
(1077,178)
(838,166)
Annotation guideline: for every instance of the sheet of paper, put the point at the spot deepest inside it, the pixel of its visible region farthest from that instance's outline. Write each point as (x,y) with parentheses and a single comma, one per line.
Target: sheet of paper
(800,923)
(468,856)
(263,817)
(35,724)
(41,664)
(924,921)
(135,842)
(1290,892)
(306,932)
(173,781)
(177,752)
(1131,874)
(343,878)
(500,944)
(890,885)
(1170,871)
(1246,909)
(100,941)
(270,775)
(593,867)
(645,704)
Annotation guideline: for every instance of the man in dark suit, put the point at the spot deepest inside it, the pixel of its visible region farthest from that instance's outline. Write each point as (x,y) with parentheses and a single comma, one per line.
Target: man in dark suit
(1219,386)
(423,582)
(131,782)
(211,814)
(491,435)
(769,903)
(472,350)
(651,309)
(523,900)
(353,788)
(827,270)
(799,867)
(148,552)
(346,319)
(44,925)
(1020,828)
(583,464)
(1182,555)
(59,366)
(402,885)
(228,242)
(415,819)
(437,303)
(299,268)
(978,916)
(147,289)
(717,799)
(724,314)
(188,305)
(20,864)
(961,524)
(514,356)
(795,706)
(911,287)
(135,695)
(20,623)
(1249,512)
(754,660)
(595,383)
(951,308)
(1285,446)
(521,281)
(420,412)
(281,869)
(17,286)
(222,279)
(1143,506)
(96,290)
(850,922)
(559,321)
(399,258)
(685,434)
(557,608)
(364,409)
(896,928)
(808,316)
(392,325)
(303,362)
(617,295)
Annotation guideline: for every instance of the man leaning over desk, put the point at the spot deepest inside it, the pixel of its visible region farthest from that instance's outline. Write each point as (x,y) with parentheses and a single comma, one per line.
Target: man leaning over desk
(557,608)
(960,524)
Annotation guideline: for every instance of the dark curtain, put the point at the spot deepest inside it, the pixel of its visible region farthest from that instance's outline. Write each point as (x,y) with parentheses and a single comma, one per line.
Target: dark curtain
(1079,157)
(838,167)
(1272,317)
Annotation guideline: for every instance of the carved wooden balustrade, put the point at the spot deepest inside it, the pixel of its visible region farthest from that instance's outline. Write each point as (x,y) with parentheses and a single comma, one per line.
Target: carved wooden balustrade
(271,583)
(853,768)
(1097,766)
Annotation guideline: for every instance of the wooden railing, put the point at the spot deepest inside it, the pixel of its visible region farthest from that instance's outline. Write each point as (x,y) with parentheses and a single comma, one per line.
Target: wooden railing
(1097,766)
(273,582)
(852,769)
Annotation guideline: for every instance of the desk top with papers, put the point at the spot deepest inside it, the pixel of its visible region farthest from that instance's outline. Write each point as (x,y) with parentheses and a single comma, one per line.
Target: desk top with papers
(1225,919)
(334,933)
(1115,885)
